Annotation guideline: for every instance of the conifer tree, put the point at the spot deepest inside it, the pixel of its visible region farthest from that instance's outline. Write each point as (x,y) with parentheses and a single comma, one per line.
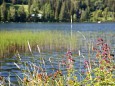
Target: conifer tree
(62,12)
(3,11)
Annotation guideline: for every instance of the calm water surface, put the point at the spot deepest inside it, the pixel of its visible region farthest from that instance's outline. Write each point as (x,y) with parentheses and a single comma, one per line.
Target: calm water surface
(59,26)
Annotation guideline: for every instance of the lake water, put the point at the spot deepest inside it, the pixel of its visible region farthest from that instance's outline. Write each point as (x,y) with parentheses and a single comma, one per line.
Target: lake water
(9,69)
(59,26)
(7,66)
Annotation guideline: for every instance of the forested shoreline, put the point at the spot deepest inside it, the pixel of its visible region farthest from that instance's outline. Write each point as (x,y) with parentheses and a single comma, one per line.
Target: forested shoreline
(57,10)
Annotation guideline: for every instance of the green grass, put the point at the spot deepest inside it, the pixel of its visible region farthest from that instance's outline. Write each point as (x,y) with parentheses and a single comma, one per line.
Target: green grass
(12,41)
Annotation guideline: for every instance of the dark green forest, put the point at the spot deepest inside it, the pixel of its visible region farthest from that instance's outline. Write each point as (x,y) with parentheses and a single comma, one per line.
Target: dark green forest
(57,10)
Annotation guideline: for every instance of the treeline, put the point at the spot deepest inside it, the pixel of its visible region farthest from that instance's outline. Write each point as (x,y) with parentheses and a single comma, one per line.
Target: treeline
(57,10)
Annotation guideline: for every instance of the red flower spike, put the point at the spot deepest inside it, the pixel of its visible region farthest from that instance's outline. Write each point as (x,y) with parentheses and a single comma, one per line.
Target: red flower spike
(99,39)
(69,53)
(86,62)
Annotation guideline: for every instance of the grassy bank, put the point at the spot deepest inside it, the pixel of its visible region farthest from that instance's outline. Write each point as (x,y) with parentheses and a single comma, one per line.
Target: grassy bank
(12,41)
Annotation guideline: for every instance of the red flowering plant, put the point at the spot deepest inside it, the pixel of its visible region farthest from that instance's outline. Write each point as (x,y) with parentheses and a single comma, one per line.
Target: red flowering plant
(104,55)
(69,59)
(71,77)
(102,74)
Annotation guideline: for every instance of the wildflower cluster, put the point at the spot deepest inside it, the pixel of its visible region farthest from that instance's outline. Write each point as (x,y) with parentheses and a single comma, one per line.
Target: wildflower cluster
(104,55)
(70,60)
(103,73)
(100,71)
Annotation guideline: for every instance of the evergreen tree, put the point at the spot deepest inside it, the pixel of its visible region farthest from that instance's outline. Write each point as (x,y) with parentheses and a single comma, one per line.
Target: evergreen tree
(105,13)
(29,5)
(83,15)
(72,8)
(113,9)
(57,10)
(8,16)
(21,14)
(3,11)
(62,12)
(12,13)
(77,5)
(35,7)
(67,11)
(48,13)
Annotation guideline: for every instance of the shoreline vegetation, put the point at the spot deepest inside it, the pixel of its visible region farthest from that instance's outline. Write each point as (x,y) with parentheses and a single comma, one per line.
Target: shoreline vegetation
(17,40)
(13,41)
(97,72)
(57,11)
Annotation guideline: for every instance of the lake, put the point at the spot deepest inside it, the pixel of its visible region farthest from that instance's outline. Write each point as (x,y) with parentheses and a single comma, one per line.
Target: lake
(59,26)
(7,64)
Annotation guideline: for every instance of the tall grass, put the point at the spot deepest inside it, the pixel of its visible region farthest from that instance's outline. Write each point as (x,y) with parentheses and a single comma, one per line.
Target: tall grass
(12,41)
